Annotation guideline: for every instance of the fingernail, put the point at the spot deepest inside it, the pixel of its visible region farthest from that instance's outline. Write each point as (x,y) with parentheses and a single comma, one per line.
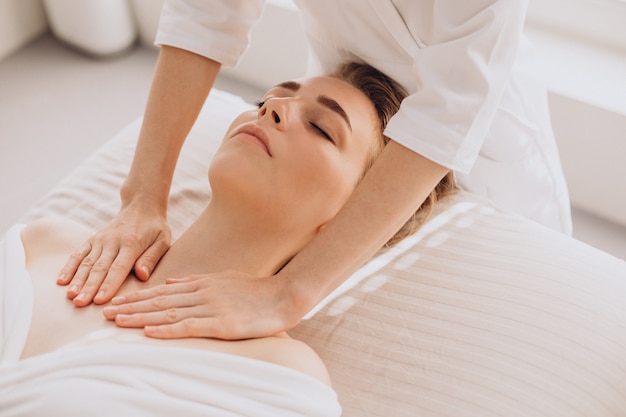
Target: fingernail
(81,296)
(73,289)
(61,278)
(110,311)
(118,300)
(122,317)
(101,294)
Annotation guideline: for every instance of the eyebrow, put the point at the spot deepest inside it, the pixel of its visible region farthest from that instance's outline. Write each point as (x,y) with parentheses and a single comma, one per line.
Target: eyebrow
(334,106)
(290,85)
(325,101)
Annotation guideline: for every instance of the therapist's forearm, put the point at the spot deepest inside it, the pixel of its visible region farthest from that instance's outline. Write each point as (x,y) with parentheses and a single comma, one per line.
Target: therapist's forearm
(181,83)
(394,187)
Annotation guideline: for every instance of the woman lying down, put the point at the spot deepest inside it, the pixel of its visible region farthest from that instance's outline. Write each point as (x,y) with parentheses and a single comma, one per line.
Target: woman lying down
(281,173)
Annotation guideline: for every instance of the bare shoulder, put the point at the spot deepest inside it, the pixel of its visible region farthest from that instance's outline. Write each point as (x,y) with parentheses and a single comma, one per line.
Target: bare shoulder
(50,236)
(297,355)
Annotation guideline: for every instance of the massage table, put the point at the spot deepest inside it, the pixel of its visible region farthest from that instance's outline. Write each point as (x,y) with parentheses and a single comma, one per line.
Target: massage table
(481,313)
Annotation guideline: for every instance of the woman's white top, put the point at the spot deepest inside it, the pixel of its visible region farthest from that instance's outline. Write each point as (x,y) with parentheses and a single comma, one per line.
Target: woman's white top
(476,106)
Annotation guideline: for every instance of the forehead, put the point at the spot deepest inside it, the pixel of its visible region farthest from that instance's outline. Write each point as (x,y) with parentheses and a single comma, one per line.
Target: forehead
(330,86)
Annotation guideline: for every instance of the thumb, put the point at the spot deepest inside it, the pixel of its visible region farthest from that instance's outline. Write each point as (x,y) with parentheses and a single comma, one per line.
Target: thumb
(149,259)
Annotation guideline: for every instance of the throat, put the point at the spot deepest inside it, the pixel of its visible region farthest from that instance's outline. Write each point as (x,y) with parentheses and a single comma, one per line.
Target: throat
(211,246)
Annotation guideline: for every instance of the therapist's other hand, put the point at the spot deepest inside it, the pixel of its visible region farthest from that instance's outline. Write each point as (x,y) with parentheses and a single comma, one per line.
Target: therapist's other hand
(229,305)
(136,239)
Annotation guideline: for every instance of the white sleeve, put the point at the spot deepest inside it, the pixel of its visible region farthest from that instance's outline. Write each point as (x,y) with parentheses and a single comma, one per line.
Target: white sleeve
(216,29)
(461,77)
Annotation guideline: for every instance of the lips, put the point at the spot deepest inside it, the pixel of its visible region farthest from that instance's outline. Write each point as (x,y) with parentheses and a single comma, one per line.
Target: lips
(257,134)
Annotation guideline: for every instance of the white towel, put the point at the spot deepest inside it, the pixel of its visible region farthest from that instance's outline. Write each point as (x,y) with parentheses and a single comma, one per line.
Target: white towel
(16,297)
(105,379)
(138,380)
(126,379)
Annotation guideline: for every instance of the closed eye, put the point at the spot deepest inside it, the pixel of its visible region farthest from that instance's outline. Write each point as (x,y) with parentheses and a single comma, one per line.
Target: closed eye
(322,132)
(260,103)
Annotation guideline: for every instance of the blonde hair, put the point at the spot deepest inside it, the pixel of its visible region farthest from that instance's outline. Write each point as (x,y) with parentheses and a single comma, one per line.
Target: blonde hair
(386,95)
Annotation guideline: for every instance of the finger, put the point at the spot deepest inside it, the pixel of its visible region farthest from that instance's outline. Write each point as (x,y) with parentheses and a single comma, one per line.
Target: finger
(165,316)
(157,291)
(83,270)
(190,327)
(139,320)
(116,274)
(97,274)
(189,278)
(153,305)
(177,280)
(69,269)
(149,259)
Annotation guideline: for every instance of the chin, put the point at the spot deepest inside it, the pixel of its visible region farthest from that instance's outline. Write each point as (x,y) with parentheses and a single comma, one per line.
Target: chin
(239,182)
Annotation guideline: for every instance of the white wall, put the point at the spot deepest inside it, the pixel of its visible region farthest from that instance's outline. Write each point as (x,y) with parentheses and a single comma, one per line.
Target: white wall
(592,142)
(20,22)
(587,96)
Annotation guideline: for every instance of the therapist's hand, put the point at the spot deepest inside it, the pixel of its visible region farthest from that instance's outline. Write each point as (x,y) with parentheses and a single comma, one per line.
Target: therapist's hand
(229,305)
(136,239)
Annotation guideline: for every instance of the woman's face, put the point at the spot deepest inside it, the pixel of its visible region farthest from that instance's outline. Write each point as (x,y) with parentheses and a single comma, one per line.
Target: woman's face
(296,160)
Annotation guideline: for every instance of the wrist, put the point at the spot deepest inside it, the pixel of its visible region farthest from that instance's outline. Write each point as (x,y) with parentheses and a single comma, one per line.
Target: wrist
(296,301)
(138,196)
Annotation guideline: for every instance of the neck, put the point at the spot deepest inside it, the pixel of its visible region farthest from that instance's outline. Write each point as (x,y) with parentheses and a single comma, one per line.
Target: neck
(223,239)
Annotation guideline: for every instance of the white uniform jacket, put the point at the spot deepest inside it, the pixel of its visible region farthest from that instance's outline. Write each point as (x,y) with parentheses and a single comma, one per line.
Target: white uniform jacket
(476,106)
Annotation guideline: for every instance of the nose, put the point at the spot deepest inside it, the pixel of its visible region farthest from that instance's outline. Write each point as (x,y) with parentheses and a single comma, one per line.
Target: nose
(276,110)
(272,114)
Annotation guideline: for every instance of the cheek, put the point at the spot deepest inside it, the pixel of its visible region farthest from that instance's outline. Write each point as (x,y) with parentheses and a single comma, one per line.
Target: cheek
(241,119)
(337,177)
(324,181)
(339,185)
